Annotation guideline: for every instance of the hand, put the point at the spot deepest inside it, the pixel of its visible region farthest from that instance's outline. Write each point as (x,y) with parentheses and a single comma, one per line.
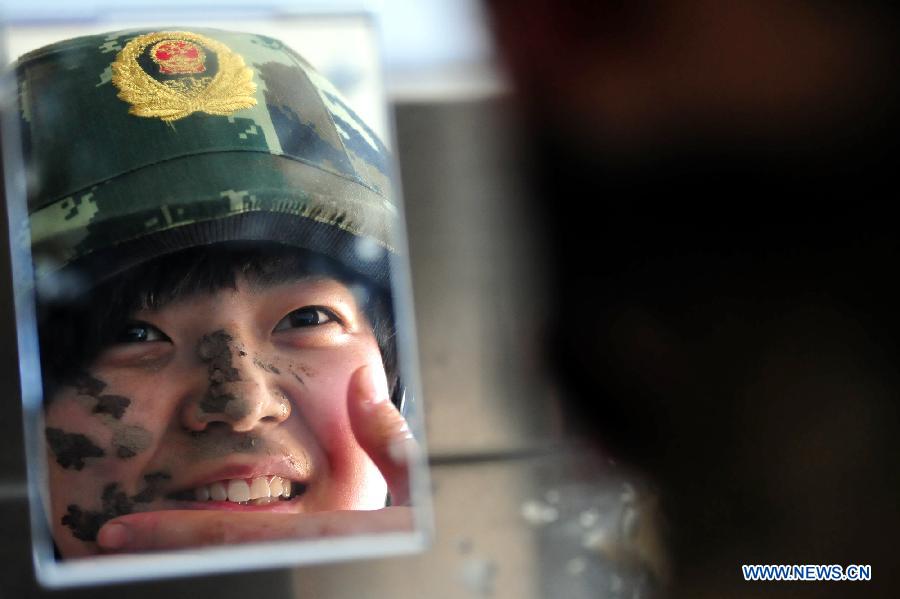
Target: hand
(380,430)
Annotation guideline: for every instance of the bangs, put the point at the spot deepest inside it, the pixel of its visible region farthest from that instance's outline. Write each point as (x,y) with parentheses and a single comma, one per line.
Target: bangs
(73,332)
(206,270)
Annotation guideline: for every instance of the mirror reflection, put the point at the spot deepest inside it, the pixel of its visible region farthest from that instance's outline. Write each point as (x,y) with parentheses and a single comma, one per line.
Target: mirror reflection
(213,233)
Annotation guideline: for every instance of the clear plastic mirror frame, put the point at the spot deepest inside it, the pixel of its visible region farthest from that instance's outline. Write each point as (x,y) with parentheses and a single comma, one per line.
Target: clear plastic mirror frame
(230,410)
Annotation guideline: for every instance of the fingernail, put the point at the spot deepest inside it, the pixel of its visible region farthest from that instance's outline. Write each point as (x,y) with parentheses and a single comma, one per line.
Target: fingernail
(402,449)
(114,536)
(368,387)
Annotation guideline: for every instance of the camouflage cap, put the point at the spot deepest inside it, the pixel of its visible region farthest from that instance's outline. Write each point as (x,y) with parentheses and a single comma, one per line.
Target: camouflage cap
(141,143)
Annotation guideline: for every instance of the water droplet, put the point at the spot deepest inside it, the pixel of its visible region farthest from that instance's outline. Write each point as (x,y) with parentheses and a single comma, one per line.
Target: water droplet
(478,574)
(537,513)
(628,493)
(576,566)
(367,249)
(629,522)
(595,539)
(588,518)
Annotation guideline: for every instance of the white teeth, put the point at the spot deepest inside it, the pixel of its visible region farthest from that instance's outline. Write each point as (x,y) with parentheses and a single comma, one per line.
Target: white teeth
(275,486)
(259,490)
(238,490)
(217,492)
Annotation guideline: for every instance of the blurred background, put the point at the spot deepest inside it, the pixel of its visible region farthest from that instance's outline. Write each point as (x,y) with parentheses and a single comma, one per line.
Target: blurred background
(654,280)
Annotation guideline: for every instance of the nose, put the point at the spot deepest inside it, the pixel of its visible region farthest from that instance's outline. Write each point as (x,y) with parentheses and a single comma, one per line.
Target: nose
(237,390)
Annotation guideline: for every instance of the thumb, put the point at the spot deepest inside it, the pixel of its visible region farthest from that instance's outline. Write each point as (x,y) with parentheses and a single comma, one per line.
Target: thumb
(381,431)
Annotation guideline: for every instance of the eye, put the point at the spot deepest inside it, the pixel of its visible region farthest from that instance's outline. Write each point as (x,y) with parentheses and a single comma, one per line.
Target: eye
(308,316)
(140,332)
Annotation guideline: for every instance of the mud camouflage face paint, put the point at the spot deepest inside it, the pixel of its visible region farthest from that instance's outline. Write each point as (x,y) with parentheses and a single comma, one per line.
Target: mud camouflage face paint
(216,443)
(153,483)
(266,366)
(308,371)
(130,440)
(85,524)
(71,449)
(88,384)
(125,452)
(215,349)
(114,405)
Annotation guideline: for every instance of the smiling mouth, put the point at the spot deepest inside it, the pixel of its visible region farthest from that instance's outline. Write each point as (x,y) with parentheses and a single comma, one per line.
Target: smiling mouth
(260,490)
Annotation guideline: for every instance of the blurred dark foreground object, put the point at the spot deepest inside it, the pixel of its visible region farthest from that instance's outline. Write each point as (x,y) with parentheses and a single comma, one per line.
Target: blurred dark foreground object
(725,315)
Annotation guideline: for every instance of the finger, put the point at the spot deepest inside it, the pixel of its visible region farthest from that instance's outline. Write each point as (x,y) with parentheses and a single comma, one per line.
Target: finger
(174,529)
(381,431)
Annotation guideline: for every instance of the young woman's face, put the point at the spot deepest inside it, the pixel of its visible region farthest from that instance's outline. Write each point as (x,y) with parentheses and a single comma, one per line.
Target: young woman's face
(216,402)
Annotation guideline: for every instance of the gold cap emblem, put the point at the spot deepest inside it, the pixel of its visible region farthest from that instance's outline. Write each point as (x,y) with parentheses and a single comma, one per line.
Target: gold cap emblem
(172,74)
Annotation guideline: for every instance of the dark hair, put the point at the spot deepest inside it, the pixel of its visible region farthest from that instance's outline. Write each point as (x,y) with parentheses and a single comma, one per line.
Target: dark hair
(73,331)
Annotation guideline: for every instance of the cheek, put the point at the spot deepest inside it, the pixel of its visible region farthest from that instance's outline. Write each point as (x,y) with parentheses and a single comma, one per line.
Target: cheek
(90,446)
(322,397)
(123,425)
(348,473)
(79,448)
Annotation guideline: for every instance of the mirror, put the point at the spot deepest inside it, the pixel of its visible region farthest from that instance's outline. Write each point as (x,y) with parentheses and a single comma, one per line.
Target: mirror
(212,299)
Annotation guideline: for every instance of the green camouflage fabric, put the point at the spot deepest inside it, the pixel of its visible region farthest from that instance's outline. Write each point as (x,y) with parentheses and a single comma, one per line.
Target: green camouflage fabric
(297,167)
